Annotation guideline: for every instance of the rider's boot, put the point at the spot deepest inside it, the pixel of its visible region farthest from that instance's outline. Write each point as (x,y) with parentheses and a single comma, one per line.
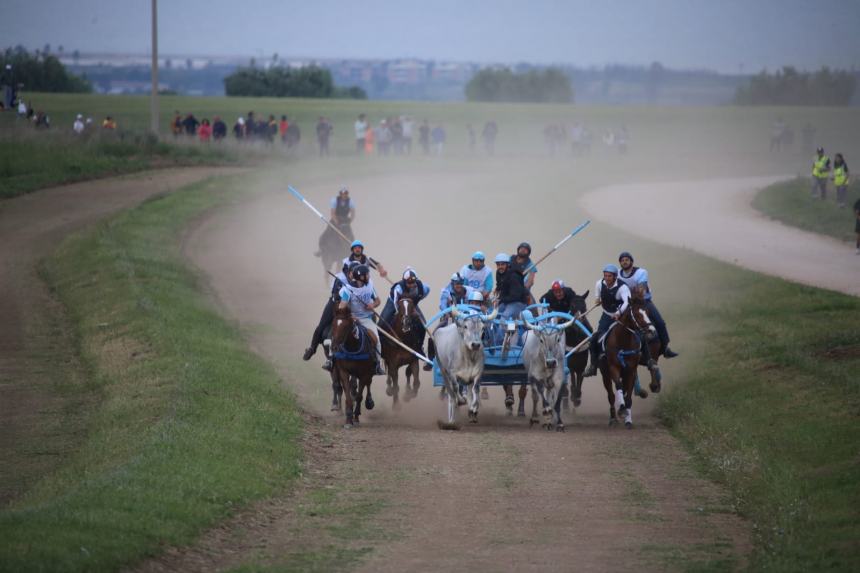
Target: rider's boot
(669,353)
(327,365)
(309,351)
(380,370)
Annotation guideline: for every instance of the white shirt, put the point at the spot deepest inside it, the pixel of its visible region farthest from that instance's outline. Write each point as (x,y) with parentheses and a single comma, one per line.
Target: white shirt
(358,299)
(78,126)
(360,129)
(636,279)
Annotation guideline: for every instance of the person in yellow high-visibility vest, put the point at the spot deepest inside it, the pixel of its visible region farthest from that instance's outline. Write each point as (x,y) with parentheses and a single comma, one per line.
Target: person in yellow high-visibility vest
(820,172)
(840,178)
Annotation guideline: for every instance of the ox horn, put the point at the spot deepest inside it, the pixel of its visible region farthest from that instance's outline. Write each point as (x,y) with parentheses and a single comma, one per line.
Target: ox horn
(492,315)
(566,325)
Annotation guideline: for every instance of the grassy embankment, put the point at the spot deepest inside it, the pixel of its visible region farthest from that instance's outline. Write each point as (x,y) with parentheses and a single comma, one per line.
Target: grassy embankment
(791,203)
(188,423)
(31,160)
(770,410)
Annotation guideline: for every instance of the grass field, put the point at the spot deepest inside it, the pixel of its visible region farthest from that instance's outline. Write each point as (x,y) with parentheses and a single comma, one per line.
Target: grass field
(791,203)
(187,422)
(32,160)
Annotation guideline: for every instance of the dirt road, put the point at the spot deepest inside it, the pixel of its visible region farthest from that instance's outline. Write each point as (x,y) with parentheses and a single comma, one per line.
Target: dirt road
(715,218)
(403,495)
(37,355)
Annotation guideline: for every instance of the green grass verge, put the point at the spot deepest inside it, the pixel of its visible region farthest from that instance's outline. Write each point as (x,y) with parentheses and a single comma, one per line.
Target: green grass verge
(34,160)
(791,203)
(189,424)
(770,410)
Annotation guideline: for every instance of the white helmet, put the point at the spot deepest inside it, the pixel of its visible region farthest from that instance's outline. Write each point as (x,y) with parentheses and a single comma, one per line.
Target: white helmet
(502,258)
(476,296)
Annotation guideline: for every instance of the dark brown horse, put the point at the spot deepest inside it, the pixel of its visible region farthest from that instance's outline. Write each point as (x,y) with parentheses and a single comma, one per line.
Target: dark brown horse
(623,345)
(577,361)
(332,248)
(407,328)
(353,347)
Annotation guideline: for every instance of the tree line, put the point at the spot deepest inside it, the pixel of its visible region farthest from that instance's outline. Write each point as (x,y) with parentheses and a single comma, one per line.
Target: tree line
(39,72)
(549,85)
(309,81)
(788,86)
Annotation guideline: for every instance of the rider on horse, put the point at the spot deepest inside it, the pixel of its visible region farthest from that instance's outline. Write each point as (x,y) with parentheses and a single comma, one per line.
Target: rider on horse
(340,279)
(359,295)
(477,275)
(357,254)
(561,298)
(409,287)
(633,276)
(613,296)
(342,208)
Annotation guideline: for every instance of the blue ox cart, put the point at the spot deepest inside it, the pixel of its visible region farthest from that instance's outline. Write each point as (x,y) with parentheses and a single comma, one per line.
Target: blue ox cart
(503,346)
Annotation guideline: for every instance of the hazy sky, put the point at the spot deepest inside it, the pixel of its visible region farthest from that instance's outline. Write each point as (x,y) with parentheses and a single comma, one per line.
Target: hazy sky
(714,34)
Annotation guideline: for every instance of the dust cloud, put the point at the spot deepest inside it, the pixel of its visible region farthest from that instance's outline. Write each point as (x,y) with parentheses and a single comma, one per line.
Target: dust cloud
(432,212)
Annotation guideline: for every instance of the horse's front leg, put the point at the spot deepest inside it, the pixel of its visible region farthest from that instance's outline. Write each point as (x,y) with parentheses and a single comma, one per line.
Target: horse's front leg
(359,394)
(368,400)
(337,394)
(346,389)
(393,384)
(416,381)
(610,395)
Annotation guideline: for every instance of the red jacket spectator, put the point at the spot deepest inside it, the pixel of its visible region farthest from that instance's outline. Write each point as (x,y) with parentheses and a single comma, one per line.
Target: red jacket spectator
(205,131)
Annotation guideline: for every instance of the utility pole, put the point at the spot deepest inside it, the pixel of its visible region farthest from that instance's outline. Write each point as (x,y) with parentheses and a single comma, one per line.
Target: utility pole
(153,100)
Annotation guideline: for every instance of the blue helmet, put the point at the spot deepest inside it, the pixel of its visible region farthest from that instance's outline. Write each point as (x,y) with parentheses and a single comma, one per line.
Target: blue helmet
(478,255)
(610,268)
(356,243)
(625,254)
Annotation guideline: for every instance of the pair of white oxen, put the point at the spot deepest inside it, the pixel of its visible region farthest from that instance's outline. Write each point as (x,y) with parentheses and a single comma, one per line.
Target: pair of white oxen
(460,359)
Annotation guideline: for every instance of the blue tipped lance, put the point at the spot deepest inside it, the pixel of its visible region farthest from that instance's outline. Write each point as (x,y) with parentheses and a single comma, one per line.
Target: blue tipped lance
(556,247)
(307,203)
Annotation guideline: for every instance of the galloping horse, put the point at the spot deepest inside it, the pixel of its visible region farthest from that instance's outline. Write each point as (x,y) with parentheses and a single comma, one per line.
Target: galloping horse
(577,361)
(331,247)
(407,328)
(623,345)
(354,366)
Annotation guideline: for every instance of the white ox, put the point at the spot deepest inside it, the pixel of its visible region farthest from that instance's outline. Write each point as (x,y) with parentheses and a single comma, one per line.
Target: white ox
(460,357)
(543,358)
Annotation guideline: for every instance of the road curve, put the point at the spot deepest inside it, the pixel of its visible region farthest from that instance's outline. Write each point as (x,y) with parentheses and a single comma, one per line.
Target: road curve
(715,218)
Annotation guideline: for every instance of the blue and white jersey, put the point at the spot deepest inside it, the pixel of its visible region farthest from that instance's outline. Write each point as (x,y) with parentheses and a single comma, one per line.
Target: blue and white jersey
(358,298)
(333,203)
(446,299)
(636,276)
(479,280)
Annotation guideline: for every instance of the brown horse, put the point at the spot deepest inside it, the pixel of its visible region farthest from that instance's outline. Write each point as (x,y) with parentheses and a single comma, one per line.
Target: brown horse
(623,345)
(332,248)
(407,328)
(354,366)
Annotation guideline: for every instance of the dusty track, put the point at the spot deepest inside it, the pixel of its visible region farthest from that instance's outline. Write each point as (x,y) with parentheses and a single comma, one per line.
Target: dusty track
(496,496)
(38,426)
(715,218)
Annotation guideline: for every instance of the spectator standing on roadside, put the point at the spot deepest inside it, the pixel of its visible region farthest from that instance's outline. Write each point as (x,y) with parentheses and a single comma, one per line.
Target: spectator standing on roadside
(369,140)
(490,132)
(396,135)
(820,172)
(219,129)
(250,125)
(190,124)
(438,137)
(424,137)
(205,131)
(109,124)
(282,128)
(840,179)
(383,137)
(361,134)
(22,108)
(408,128)
(78,126)
(239,128)
(324,129)
(176,124)
(472,137)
